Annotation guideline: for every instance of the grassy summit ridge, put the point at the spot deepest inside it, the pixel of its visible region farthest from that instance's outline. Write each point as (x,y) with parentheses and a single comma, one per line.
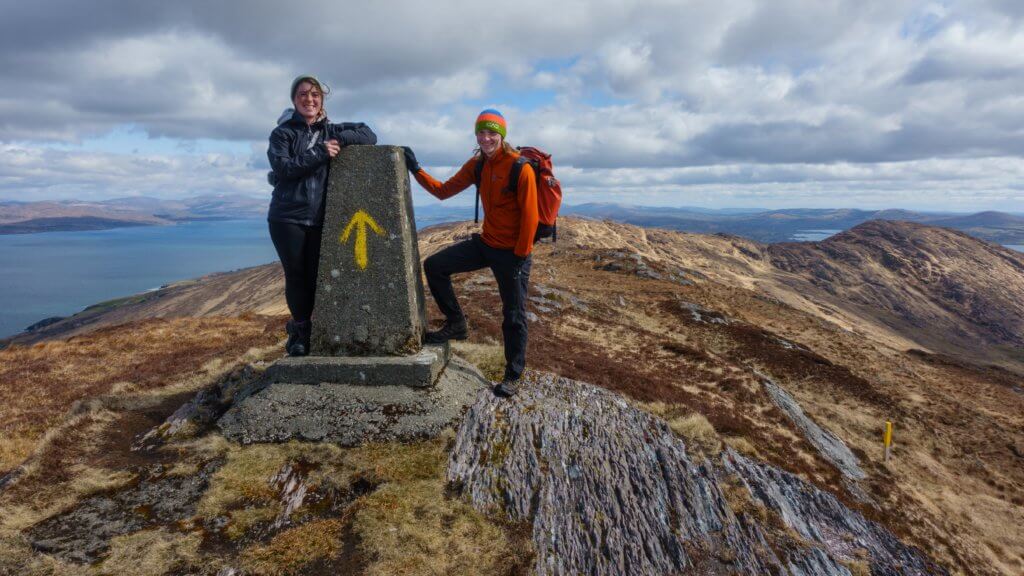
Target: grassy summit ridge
(680,324)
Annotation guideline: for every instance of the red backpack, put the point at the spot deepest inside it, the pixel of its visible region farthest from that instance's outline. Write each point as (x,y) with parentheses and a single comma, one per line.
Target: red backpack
(549,190)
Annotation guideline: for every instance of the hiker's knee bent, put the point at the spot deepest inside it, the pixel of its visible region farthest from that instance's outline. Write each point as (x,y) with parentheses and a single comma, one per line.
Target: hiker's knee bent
(431,266)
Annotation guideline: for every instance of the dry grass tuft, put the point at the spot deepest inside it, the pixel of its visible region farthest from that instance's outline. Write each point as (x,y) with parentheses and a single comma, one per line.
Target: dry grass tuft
(413,528)
(697,429)
(14,450)
(488,358)
(241,488)
(16,514)
(18,558)
(151,553)
(193,454)
(295,549)
(743,446)
(87,480)
(394,462)
(694,427)
(858,567)
(87,419)
(408,525)
(56,477)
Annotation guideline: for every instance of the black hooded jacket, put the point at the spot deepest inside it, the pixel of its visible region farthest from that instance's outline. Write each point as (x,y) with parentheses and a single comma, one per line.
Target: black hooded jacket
(299,160)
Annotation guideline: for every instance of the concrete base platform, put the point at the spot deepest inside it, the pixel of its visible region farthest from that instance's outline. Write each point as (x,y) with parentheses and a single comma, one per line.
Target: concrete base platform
(417,370)
(350,415)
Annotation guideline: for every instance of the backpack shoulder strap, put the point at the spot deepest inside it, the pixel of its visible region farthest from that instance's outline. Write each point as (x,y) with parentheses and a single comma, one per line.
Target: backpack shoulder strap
(478,174)
(513,176)
(478,171)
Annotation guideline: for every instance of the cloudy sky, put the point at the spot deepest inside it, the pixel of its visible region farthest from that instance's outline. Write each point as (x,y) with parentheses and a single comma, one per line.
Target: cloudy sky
(717,103)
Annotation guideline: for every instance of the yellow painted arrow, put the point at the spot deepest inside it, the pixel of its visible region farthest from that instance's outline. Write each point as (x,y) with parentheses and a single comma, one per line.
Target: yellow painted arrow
(360,221)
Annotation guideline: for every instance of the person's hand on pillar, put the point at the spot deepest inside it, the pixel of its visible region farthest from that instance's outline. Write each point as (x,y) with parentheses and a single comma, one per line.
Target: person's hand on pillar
(410,160)
(333,148)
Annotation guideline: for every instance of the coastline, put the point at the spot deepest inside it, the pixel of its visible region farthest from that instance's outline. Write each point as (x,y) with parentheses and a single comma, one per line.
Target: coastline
(69,224)
(61,273)
(90,223)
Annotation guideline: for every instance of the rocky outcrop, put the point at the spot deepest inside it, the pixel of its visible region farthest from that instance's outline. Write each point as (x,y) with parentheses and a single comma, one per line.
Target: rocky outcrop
(201,412)
(609,489)
(633,263)
(821,519)
(82,535)
(830,446)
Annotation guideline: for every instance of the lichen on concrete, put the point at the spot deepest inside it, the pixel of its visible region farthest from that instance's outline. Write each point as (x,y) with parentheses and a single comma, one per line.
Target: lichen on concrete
(350,415)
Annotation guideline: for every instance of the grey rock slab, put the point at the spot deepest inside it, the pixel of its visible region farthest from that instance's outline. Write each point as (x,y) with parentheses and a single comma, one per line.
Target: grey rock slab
(610,489)
(369,289)
(350,415)
(202,411)
(830,446)
(702,315)
(417,370)
(82,534)
(820,517)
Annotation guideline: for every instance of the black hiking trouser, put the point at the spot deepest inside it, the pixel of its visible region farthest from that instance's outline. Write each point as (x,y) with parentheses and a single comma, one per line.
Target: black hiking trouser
(298,247)
(513,276)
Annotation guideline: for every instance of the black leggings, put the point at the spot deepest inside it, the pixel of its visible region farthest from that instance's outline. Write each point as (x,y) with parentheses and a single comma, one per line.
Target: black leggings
(298,247)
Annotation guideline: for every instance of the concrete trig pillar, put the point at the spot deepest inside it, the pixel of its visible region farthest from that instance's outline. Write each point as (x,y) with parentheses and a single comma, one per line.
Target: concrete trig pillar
(368,319)
(369,296)
(368,377)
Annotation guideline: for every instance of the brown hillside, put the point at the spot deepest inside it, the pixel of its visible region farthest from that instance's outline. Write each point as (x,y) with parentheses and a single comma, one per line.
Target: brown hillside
(900,284)
(686,326)
(939,287)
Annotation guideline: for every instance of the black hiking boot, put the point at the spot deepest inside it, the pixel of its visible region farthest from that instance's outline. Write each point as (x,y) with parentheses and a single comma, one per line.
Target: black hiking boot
(451,330)
(303,331)
(507,388)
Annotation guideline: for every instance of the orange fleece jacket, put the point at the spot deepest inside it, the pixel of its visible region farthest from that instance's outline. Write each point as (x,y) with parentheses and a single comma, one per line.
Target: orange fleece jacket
(510,220)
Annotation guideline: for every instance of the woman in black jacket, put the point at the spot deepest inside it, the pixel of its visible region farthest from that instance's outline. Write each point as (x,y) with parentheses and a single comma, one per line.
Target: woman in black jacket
(300,151)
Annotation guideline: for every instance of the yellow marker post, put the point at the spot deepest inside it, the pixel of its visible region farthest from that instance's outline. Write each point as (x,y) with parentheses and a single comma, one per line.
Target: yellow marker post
(887,439)
(359,222)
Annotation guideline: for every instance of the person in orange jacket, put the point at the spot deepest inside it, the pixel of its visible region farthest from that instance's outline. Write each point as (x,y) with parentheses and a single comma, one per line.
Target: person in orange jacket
(504,244)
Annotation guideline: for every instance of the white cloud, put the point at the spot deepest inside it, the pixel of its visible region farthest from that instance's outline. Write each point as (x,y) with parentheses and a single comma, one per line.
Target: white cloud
(27,173)
(790,97)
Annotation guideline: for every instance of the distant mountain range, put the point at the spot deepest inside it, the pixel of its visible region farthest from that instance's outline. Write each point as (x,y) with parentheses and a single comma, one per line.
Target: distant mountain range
(52,216)
(784,225)
(760,225)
